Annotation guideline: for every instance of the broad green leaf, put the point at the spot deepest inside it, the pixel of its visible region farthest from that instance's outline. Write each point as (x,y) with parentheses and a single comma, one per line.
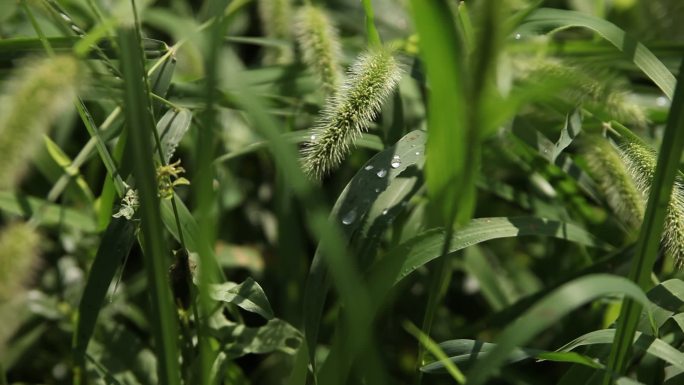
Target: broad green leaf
(277,335)
(124,354)
(546,19)
(115,245)
(549,311)
(171,128)
(247,295)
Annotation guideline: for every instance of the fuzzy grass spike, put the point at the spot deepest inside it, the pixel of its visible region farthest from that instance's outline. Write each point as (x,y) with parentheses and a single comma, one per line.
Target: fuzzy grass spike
(641,162)
(320,45)
(350,111)
(35,95)
(276,19)
(18,258)
(606,165)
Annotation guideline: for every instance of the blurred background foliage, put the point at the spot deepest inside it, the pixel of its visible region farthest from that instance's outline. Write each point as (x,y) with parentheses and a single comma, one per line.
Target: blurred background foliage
(261,230)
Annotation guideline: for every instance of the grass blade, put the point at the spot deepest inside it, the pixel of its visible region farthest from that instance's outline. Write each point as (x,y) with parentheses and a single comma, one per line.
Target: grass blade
(547,312)
(633,50)
(140,126)
(428,246)
(652,228)
(115,245)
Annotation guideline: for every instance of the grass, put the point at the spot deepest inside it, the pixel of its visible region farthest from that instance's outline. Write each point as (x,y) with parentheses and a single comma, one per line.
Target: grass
(277,192)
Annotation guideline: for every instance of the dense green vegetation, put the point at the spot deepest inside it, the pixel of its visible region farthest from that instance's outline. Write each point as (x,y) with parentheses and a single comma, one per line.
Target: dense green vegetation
(341,192)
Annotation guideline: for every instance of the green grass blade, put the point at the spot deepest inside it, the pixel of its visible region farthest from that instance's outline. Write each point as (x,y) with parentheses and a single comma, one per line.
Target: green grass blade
(428,246)
(549,311)
(651,345)
(115,245)
(436,351)
(140,126)
(652,227)
(545,19)
(448,139)
(371,32)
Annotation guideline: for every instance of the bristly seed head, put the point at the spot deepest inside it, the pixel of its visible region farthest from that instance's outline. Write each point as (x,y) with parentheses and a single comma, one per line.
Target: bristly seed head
(320,44)
(606,165)
(35,95)
(641,163)
(19,247)
(276,20)
(350,111)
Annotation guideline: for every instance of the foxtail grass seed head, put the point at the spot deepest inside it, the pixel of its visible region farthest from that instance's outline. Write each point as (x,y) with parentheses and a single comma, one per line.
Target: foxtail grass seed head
(641,163)
(276,21)
(320,45)
(596,89)
(350,111)
(607,167)
(19,257)
(34,96)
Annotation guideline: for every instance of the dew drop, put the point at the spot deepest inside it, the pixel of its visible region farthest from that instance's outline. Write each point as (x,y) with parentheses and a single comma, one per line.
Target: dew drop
(377,190)
(349,218)
(417,152)
(385,211)
(368,168)
(396,161)
(381,173)
(517,36)
(313,138)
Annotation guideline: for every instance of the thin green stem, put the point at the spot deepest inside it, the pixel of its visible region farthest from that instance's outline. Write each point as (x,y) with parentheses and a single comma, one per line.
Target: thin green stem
(372,32)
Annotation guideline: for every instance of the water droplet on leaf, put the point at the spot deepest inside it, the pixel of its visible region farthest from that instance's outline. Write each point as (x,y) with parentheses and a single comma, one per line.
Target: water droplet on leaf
(349,218)
(396,161)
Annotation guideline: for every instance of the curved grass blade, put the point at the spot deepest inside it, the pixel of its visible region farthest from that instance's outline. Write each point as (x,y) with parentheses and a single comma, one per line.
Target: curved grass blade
(436,351)
(428,246)
(547,312)
(649,344)
(545,19)
(352,210)
(248,295)
(467,352)
(115,245)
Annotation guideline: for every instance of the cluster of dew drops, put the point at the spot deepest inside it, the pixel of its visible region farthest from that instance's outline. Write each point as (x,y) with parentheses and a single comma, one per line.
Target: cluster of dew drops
(350,217)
